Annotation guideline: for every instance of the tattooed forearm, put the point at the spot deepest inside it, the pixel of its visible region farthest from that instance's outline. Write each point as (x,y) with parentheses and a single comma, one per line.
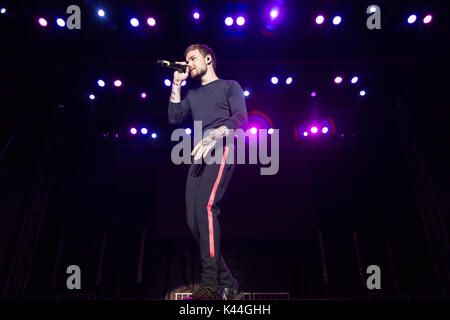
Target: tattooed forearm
(175,96)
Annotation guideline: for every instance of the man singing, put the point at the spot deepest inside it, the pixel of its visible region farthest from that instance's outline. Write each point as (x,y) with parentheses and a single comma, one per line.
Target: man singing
(219,105)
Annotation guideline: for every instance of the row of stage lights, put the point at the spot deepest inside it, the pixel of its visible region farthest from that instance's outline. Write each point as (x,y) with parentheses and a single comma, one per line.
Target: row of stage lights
(144,131)
(314,130)
(258,121)
(229,21)
(320,19)
(274,80)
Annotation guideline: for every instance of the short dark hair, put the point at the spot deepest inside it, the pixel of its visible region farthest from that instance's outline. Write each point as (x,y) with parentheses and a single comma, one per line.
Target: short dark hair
(204,50)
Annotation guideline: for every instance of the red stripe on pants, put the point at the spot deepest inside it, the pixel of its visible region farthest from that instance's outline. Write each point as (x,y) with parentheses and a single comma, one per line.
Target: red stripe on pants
(210,203)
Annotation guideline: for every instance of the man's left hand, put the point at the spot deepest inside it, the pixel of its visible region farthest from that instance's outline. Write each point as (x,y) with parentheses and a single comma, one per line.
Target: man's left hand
(207,143)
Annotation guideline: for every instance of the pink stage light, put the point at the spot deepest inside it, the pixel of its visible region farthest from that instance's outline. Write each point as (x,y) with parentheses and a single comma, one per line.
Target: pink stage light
(151,22)
(338,79)
(427,19)
(320,19)
(42,22)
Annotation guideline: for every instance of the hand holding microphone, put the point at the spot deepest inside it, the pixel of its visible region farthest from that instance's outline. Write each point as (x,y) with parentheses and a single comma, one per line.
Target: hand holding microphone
(181,69)
(179,75)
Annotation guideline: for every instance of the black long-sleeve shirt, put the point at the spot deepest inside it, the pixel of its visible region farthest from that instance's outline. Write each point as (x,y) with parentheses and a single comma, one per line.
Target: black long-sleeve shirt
(219,102)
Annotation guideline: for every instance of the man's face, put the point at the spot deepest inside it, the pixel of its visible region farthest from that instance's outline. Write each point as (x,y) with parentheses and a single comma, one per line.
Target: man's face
(197,64)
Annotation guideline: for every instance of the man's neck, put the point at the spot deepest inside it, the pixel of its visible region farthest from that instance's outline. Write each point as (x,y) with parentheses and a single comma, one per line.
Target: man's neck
(207,78)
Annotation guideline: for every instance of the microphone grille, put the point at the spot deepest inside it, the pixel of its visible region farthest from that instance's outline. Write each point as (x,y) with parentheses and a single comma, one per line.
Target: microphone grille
(163,62)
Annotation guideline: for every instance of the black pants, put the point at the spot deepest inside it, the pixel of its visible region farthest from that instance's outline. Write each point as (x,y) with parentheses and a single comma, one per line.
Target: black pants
(206,184)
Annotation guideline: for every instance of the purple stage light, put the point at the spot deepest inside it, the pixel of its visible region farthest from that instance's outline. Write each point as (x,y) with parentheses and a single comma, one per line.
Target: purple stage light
(324,130)
(412,18)
(253,130)
(270,131)
(274,80)
(134,22)
(42,22)
(188,131)
(320,19)
(274,13)
(289,80)
(362,93)
(246,93)
(101,83)
(183,83)
(144,130)
(313,94)
(133,130)
(92,97)
(313,129)
(338,79)
(167,82)
(240,21)
(196,15)
(337,20)
(427,19)
(355,80)
(151,22)
(143,95)
(154,135)
(117,83)
(3,11)
(229,21)
(60,22)
(305,134)
(101,13)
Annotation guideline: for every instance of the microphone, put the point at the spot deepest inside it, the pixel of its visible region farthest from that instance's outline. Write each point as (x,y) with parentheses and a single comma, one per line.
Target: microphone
(170,64)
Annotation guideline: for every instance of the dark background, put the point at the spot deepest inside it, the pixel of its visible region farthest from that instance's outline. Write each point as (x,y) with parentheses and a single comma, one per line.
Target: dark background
(105,195)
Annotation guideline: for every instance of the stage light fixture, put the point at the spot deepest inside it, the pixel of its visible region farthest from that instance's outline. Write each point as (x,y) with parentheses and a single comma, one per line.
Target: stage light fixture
(151,22)
(427,19)
(320,19)
(337,20)
(60,22)
(412,18)
(42,22)
(229,21)
(240,21)
(134,22)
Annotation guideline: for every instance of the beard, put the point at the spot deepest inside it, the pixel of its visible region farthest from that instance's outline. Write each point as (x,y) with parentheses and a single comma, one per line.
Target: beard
(198,73)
